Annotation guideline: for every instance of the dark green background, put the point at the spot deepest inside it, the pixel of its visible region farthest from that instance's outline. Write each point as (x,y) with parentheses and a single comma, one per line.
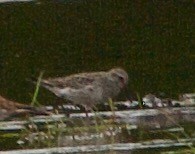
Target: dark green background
(152,40)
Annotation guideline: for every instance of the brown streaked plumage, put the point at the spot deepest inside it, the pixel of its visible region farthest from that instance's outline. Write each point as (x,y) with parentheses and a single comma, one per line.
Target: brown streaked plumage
(11,109)
(88,89)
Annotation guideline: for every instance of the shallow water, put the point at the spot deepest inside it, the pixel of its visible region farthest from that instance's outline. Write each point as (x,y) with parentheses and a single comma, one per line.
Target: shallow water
(130,131)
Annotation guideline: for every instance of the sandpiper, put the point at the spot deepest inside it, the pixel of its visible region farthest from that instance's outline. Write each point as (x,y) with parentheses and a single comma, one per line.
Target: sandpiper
(153,100)
(88,89)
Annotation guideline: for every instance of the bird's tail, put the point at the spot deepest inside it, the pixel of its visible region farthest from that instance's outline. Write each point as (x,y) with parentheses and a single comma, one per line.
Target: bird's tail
(42,83)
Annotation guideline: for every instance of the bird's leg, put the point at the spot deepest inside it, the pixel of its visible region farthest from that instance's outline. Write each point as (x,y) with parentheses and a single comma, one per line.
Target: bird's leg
(87,109)
(55,106)
(86,112)
(59,101)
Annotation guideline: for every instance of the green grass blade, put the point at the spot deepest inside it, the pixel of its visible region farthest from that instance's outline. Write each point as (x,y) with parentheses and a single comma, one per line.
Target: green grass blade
(34,100)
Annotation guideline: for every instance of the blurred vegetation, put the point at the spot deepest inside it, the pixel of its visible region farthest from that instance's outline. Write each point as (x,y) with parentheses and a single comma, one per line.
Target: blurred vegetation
(152,40)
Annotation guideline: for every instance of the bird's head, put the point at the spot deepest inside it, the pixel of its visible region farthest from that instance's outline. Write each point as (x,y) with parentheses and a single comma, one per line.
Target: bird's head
(119,75)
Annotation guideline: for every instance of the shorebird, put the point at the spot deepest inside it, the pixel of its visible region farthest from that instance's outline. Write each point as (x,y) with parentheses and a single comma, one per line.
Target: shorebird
(9,109)
(88,89)
(153,100)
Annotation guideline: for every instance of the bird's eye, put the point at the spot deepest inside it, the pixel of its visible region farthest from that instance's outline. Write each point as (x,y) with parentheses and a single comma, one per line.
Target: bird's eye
(121,78)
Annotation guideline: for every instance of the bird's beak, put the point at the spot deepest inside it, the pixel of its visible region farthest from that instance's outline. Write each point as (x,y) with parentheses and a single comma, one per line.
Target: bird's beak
(128,95)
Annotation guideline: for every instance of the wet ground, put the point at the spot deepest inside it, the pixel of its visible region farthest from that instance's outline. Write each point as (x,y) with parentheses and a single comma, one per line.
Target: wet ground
(130,131)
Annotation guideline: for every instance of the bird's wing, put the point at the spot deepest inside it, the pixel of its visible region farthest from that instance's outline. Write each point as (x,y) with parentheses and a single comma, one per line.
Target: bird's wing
(74,81)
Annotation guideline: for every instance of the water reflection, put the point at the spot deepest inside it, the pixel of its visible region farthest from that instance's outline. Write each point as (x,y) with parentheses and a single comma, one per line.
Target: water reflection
(134,130)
